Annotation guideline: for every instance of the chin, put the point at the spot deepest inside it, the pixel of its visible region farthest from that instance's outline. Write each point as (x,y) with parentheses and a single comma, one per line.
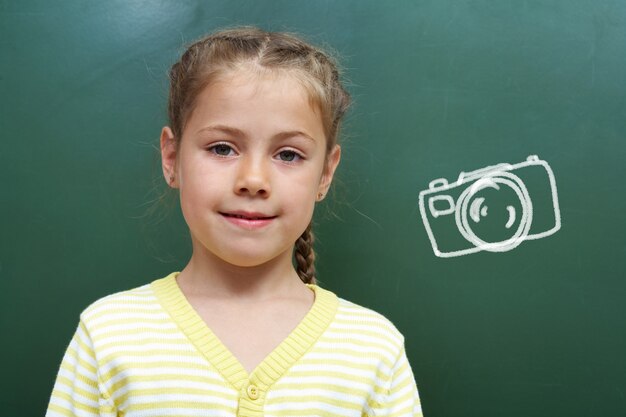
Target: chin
(248,261)
(245,254)
(254,256)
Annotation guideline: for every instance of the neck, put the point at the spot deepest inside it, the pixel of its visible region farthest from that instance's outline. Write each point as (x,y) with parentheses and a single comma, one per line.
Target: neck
(207,275)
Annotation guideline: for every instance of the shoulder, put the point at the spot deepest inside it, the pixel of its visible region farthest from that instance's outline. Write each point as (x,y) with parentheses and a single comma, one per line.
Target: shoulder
(351,312)
(121,306)
(365,325)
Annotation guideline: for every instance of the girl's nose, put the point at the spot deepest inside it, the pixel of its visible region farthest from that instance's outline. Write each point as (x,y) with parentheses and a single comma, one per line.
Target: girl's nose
(253,178)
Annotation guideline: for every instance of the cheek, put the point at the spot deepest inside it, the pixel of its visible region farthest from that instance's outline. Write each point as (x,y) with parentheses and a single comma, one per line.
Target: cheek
(190,203)
(195,173)
(199,190)
(301,197)
(307,185)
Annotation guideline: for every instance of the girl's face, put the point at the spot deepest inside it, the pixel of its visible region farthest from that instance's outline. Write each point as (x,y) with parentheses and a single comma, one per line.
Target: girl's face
(250,167)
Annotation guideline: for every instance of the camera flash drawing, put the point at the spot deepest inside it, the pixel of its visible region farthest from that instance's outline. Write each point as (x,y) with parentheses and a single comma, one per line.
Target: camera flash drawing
(494,208)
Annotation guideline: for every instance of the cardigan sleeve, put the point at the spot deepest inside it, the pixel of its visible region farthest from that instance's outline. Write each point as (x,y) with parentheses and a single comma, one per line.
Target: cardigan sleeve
(401,398)
(77,390)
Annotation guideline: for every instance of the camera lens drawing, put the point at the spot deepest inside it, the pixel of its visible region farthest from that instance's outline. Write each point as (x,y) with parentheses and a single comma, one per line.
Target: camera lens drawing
(494,208)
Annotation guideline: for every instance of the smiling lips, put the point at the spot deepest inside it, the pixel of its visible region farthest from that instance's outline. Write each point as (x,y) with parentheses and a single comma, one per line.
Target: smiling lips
(248,220)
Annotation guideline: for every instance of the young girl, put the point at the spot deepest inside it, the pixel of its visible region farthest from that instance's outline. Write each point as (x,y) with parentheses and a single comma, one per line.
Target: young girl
(251,147)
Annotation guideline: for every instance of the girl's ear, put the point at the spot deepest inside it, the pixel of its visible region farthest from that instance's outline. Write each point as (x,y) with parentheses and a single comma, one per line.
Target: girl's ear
(329,171)
(169,156)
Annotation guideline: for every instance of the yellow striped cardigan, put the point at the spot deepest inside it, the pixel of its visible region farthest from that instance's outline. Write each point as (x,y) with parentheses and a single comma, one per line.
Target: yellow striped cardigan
(146,353)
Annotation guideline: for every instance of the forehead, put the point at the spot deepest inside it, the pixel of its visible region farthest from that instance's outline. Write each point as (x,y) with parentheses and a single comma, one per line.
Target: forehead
(257,80)
(251,99)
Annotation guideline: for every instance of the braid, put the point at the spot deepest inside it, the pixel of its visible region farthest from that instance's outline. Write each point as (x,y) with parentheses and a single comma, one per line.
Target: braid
(305,256)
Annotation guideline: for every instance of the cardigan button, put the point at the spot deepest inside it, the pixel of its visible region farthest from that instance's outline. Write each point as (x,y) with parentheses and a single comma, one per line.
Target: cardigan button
(253,392)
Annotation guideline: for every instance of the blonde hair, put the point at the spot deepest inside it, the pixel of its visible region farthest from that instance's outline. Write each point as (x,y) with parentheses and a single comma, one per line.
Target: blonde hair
(219,53)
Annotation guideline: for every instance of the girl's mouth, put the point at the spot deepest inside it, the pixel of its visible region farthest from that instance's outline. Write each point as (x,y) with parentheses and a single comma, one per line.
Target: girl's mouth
(248,220)
(241,216)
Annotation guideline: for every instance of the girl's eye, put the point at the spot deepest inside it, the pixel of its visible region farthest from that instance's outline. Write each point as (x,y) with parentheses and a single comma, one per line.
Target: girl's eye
(221,149)
(288,156)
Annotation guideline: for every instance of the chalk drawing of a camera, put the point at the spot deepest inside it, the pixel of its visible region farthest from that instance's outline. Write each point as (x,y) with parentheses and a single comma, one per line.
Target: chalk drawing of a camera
(491,209)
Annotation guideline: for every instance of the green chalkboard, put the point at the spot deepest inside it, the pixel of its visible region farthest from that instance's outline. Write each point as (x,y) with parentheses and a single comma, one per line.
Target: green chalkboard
(498,320)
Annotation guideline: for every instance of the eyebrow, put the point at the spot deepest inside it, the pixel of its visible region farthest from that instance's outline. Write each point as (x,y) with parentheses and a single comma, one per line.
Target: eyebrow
(237,132)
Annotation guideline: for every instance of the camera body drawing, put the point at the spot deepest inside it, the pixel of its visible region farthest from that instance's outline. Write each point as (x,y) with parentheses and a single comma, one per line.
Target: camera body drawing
(491,209)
